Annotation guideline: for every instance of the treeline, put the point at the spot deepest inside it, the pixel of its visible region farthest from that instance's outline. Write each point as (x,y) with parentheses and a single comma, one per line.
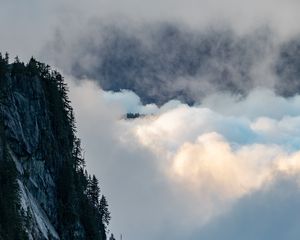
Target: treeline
(80,202)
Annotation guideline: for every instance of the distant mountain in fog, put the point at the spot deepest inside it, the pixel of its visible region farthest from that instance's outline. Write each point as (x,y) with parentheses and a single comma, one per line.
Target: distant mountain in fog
(164,62)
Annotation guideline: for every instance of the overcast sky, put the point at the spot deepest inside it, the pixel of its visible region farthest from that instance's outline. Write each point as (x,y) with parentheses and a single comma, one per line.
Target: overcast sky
(26,26)
(225,168)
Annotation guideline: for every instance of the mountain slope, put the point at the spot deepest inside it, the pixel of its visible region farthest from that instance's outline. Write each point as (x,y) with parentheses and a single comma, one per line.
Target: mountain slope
(54,197)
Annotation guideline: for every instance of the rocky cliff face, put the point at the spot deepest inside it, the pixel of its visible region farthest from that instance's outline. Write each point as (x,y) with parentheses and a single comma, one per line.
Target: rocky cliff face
(38,136)
(26,117)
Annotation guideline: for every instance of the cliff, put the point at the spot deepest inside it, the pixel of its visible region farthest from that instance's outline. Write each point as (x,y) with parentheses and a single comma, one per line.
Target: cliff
(46,192)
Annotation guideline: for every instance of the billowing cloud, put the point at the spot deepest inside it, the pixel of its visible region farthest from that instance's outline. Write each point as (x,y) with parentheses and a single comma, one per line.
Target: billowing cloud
(188,167)
(224,166)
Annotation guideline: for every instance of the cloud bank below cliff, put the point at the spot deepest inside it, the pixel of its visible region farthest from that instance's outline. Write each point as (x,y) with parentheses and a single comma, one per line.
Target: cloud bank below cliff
(224,167)
(210,163)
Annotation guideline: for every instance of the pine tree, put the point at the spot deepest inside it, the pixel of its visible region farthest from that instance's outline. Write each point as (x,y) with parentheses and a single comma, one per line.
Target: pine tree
(104,212)
(94,191)
(3,70)
(112,237)
(78,194)
(77,155)
(32,67)
(18,68)
(6,58)
(17,60)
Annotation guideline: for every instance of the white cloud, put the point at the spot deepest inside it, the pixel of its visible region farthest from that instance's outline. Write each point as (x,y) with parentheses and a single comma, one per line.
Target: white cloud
(129,102)
(260,102)
(168,175)
(184,167)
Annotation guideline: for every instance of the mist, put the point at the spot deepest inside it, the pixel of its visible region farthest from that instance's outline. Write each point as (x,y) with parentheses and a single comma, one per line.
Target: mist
(215,153)
(206,163)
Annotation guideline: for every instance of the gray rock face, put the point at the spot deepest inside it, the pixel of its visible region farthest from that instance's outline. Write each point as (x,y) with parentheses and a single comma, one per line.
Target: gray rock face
(26,118)
(45,190)
(33,146)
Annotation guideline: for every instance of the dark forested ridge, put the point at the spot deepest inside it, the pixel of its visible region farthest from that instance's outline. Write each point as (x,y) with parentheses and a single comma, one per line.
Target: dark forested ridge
(45,191)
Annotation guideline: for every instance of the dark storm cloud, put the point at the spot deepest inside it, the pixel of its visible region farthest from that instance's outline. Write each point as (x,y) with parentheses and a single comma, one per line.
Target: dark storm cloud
(287,68)
(166,61)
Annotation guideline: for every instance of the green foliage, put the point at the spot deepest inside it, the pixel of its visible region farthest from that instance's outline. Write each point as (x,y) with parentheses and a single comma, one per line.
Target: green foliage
(18,68)
(104,212)
(3,67)
(78,195)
